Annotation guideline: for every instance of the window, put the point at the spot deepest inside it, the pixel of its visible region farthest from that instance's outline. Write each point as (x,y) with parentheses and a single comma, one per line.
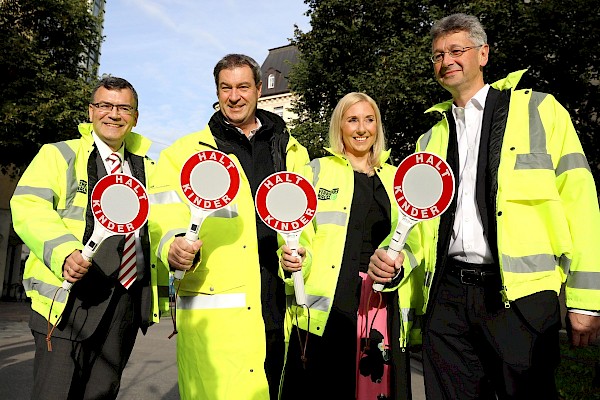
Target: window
(271,81)
(278,111)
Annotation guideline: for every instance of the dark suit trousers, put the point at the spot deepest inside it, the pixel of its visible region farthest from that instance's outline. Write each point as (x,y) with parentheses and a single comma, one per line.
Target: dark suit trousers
(475,348)
(89,369)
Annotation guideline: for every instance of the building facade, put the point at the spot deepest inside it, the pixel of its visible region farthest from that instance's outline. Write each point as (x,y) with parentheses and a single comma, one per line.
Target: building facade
(276,96)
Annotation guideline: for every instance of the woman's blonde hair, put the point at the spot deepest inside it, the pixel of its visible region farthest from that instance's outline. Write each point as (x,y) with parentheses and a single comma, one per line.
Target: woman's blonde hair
(335,126)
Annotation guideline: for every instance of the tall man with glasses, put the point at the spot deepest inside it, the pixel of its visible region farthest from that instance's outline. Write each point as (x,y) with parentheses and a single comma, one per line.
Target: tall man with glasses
(83,338)
(525,220)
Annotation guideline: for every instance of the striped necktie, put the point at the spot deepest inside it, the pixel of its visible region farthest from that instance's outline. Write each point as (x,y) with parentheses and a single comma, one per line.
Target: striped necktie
(114,162)
(127,269)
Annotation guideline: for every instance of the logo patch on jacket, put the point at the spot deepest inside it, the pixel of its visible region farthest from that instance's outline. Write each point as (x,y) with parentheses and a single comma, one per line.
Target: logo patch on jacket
(325,194)
(82,188)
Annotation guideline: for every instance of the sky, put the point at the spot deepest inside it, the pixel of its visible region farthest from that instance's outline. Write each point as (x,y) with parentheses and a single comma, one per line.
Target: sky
(167,49)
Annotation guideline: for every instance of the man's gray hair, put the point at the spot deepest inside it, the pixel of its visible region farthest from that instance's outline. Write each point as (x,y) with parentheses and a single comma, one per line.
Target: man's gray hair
(460,23)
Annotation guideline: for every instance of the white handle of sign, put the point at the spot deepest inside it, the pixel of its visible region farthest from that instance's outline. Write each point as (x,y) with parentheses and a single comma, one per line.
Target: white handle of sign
(292,240)
(90,248)
(405,224)
(192,233)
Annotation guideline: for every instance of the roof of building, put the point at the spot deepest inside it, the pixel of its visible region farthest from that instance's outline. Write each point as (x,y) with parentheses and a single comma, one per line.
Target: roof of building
(278,63)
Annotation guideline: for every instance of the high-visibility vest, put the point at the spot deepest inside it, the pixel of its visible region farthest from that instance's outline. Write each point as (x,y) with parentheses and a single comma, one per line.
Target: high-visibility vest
(49,208)
(547,218)
(333,178)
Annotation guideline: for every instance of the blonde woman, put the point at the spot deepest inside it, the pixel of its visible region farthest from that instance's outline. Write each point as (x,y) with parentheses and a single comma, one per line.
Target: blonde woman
(333,352)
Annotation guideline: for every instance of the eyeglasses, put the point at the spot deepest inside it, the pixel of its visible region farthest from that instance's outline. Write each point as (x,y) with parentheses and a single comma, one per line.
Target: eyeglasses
(454,53)
(105,108)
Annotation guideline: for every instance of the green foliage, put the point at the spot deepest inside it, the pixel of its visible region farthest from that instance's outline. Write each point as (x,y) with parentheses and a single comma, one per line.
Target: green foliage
(45,90)
(577,376)
(313,135)
(382,47)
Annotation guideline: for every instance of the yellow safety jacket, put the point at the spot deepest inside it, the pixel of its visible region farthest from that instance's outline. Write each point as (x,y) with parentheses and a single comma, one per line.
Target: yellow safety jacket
(221,344)
(547,218)
(49,214)
(333,179)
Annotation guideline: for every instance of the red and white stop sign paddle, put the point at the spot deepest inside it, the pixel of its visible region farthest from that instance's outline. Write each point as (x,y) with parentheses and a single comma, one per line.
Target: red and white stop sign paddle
(423,188)
(287,202)
(210,180)
(120,206)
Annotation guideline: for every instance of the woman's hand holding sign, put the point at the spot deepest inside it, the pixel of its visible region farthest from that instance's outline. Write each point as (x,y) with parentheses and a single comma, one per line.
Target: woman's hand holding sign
(291,262)
(286,202)
(383,268)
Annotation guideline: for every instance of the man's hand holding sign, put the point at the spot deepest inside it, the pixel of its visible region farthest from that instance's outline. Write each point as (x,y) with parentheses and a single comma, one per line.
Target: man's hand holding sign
(424,189)
(120,206)
(286,202)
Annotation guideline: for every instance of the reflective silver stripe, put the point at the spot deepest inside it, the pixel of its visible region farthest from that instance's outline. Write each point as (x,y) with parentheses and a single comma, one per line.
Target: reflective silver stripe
(408,314)
(315,165)
(50,245)
(45,289)
(331,217)
(169,197)
(538,157)
(428,278)
(533,263)
(211,301)
(167,237)
(226,212)
(572,161)
(565,263)
(318,303)
(534,161)
(537,134)
(425,140)
(411,257)
(42,193)
(71,182)
(73,212)
(584,280)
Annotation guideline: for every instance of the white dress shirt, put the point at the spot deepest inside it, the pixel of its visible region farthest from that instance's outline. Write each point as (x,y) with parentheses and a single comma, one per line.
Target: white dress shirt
(105,151)
(467,242)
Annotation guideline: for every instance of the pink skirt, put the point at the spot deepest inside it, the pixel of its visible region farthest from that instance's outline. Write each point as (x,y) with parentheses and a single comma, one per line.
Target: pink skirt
(373,346)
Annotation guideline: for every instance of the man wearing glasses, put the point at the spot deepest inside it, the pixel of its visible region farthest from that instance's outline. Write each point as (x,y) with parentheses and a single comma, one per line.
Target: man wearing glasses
(525,220)
(84,337)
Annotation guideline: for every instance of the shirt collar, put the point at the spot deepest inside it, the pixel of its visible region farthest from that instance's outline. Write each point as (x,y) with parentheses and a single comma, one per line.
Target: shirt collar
(105,151)
(477,101)
(252,132)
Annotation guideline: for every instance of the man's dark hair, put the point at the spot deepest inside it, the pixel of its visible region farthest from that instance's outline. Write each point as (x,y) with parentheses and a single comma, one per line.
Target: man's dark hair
(235,61)
(114,83)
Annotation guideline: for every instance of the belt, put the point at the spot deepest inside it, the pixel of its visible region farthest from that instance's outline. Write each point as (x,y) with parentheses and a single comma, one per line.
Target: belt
(474,274)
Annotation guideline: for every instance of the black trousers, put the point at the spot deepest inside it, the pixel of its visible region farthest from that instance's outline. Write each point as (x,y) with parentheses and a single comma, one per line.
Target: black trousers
(89,369)
(274,360)
(330,370)
(475,348)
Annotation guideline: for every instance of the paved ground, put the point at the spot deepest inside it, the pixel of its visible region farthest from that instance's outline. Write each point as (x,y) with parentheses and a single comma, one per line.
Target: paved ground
(150,375)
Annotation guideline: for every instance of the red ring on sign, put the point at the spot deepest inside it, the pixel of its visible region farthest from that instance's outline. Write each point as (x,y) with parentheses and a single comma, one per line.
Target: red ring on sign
(275,179)
(209,156)
(136,187)
(446,175)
